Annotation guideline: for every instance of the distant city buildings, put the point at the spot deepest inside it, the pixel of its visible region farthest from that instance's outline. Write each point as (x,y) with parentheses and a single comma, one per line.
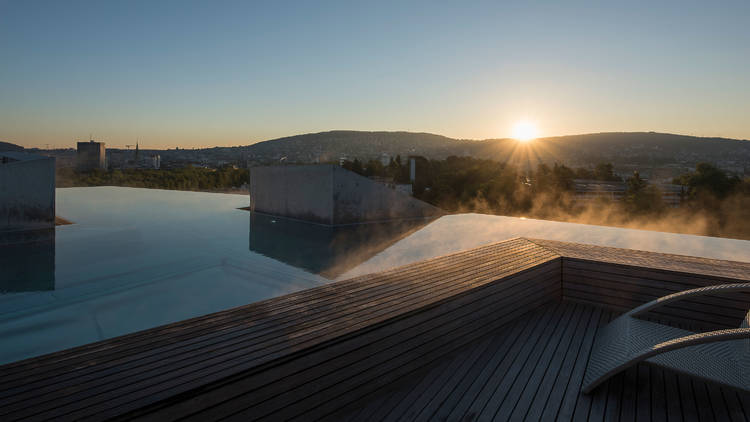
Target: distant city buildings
(590,190)
(91,155)
(658,164)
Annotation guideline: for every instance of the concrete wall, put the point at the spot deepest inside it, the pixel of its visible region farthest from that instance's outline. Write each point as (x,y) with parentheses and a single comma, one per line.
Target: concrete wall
(357,199)
(331,195)
(301,192)
(27,194)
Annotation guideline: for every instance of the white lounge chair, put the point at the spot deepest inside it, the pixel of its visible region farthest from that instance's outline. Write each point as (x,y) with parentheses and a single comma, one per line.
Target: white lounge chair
(721,356)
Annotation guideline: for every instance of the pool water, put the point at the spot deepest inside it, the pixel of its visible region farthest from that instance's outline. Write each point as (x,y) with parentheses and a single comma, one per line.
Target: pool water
(138,258)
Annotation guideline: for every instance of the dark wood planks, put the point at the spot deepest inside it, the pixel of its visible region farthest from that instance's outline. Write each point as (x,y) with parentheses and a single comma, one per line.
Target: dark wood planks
(711,268)
(624,287)
(622,279)
(533,369)
(391,351)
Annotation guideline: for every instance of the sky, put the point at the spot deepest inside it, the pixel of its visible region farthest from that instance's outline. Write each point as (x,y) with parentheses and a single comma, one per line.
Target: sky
(207,73)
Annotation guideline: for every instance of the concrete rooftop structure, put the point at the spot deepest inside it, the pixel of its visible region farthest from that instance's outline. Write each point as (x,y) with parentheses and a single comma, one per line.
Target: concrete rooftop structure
(330,195)
(27,191)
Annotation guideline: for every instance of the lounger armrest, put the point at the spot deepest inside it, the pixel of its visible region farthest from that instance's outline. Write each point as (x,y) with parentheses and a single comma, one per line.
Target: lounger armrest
(690,340)
(698,338)
(719,288)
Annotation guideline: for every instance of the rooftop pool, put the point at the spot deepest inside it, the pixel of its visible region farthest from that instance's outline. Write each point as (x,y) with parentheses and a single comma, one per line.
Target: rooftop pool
(138,258)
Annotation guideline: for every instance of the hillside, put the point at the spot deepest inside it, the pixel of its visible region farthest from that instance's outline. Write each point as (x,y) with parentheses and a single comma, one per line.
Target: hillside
(7,146)
(330,146)
(629,149)
(622,149)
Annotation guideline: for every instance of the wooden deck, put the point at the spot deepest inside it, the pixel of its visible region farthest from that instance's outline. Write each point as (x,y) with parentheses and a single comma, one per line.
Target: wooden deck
(714,268)
(533,370)
(338,350)
(622,279)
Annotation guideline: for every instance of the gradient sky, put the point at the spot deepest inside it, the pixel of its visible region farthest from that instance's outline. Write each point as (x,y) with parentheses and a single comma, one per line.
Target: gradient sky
(212,73)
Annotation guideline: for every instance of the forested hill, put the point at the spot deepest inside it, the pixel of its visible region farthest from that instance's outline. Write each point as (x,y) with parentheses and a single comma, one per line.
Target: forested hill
(330,146)
(620,148)
(644,148)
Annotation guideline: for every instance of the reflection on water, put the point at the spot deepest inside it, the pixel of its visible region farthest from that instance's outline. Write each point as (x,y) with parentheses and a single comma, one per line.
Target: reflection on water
(324,250)
(27,261)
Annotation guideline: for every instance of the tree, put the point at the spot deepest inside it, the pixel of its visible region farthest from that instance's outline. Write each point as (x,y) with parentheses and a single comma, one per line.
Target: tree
(584,173)
(605,171)
(563,177)
(708,180)
(635,184)
(357,166)
(374,168)
(641,198)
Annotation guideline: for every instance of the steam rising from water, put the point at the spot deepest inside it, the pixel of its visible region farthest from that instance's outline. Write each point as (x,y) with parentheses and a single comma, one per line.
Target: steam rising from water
(706,216)
(455,233)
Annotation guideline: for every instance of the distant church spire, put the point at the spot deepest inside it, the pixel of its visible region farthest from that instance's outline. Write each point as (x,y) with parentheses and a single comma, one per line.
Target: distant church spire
(136,150)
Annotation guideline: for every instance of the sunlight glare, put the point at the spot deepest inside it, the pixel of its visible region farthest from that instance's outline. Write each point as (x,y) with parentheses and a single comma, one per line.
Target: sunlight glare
(525,131)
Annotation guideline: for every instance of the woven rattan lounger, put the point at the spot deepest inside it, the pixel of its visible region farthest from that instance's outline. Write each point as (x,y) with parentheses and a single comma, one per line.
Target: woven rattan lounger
(721,356)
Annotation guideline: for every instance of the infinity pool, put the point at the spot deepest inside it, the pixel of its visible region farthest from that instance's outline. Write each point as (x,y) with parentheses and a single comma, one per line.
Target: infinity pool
(138,258)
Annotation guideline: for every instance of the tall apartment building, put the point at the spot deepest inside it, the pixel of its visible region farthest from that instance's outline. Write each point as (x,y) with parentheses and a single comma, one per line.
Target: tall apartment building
(91,155)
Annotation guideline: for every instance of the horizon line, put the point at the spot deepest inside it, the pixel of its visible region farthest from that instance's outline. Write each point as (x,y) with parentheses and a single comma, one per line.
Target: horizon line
(76,140)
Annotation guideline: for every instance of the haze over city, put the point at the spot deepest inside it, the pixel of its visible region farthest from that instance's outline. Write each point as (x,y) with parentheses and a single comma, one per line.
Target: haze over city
(196,74)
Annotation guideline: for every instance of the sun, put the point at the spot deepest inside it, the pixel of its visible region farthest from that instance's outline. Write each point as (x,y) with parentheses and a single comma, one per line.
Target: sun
(525,131)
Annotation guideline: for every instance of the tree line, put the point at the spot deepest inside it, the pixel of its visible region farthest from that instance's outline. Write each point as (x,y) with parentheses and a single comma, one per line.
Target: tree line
(187,178)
